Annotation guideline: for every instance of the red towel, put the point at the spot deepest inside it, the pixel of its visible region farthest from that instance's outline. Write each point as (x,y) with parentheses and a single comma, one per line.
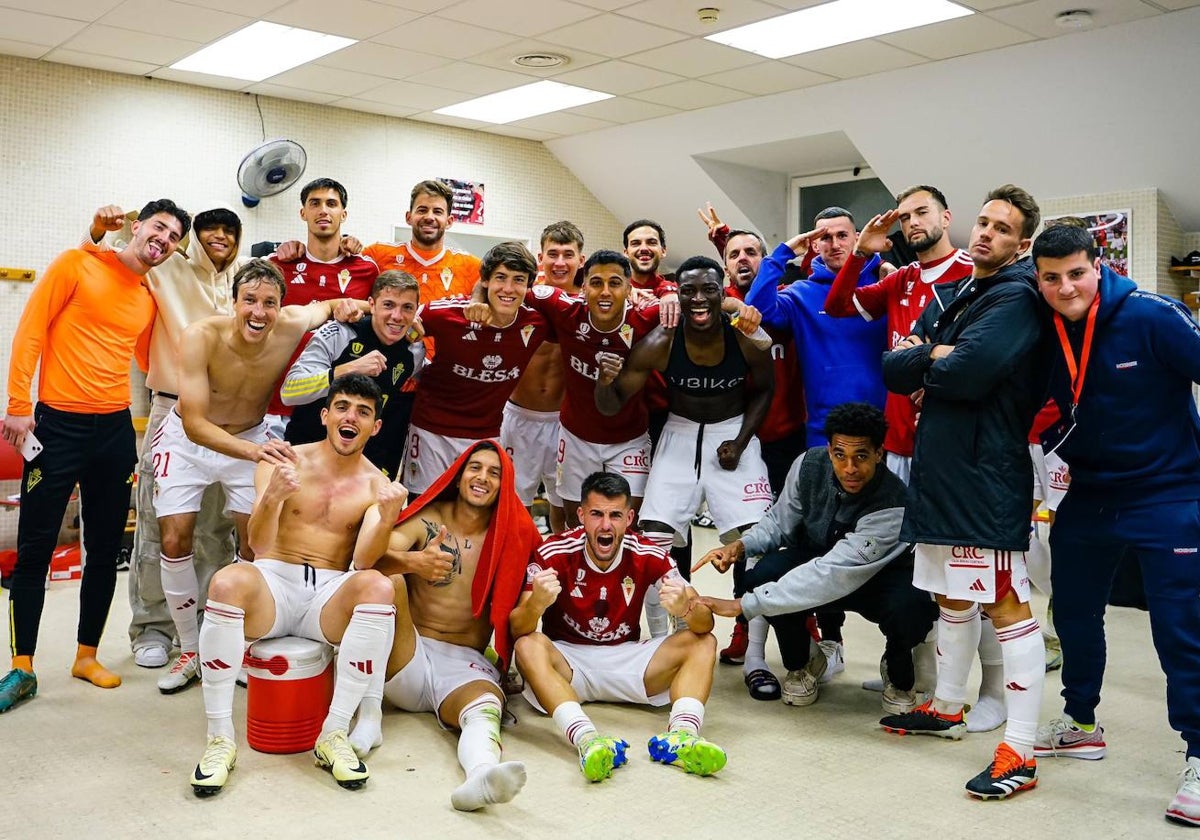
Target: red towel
(507,549)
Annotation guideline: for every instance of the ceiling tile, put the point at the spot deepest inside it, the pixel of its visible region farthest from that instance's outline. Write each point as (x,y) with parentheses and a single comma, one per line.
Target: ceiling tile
(612,35)
(767,78)
(422,6)
(162,17)
(70,9)
(454,122)
(520,133)
(689,95)
(23,50)
(958,37)
(618,77)
(1038,17)
(374,107)
(101,62)
(135,46)
(382,60)
(444,37)
(327,80)
(281,92)
(471,78)
(561,122)
(249,8)
(408,95)
(606,5)
(985,5)
(187,77)
(681,14)
(860,58)
(1175,5)
(502,57)
(30,28)
(528,17)
(695,58)
(349,18)
(622,109)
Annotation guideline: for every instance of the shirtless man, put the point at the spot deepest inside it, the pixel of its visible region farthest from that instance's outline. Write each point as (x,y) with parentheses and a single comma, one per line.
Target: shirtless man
(230,364)
(463,547)
(531,426)
(321,520)
(587,586)
(719,384)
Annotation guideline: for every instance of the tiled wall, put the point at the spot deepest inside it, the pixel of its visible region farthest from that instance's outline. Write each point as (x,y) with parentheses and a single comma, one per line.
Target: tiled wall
(75,139)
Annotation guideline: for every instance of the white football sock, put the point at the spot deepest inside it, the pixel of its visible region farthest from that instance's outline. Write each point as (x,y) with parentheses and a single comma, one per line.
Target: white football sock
(182,591)
(958,638)
(687,714)
(362,653)
(1024,674)
(756,644)
(222,643)
(575,726)
(368,725)
(488,781)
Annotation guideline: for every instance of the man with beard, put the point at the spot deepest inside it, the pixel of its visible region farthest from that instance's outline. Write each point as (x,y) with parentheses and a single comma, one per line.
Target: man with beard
(587,586)
(85,320)
(320,521)
(975,353)
(218,432)
(457,558)
(719,385)
(441,271)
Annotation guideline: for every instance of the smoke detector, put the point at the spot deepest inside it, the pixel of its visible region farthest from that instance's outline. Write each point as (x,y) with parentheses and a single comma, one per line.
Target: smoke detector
(540,61)
(1073,19)
(708,15)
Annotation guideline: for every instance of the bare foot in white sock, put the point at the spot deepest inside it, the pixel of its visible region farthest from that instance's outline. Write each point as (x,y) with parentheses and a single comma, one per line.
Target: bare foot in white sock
(367,734)
(987,714)
(488,785)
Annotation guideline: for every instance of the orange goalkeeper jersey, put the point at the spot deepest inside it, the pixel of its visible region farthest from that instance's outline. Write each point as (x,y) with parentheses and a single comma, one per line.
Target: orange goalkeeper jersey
(439,274)
(85,319)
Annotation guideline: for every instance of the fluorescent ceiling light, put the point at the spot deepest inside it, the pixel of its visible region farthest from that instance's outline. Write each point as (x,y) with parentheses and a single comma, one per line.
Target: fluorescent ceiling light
(839,22)
(260,51)
(521,102)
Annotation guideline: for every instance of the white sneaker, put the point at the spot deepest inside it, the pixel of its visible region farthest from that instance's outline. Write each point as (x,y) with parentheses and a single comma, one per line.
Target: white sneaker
(897,701)
(185,670)
(800,687)
(1185,807)
(835,659)
(153,655)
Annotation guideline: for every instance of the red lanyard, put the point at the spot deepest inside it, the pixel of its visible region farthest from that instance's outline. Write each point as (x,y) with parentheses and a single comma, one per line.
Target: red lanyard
(1078,372)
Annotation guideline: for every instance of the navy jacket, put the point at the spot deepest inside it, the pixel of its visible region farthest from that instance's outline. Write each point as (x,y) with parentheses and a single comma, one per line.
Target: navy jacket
(971,472)
(1136,434)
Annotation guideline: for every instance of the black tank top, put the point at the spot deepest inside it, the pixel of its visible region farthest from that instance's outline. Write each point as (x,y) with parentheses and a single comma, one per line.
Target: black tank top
(700,381)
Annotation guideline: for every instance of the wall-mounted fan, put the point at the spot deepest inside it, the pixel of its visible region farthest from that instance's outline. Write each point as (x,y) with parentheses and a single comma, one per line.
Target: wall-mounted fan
(270,169)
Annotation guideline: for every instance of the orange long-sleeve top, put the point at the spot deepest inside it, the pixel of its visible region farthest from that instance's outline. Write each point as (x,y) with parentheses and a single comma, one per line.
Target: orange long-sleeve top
(84,319)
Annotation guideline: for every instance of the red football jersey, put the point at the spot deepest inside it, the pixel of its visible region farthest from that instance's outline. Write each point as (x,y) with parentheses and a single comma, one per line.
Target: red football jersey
(902,296)
(463,391)
(599,607)
(580,342)
(310,279)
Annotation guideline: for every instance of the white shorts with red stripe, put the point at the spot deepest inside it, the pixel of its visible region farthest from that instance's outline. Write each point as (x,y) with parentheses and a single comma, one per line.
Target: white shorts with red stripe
(426,456)
(1051,477)
(609,673)
(966,573)
(578,458)
(183,470)
(436,669)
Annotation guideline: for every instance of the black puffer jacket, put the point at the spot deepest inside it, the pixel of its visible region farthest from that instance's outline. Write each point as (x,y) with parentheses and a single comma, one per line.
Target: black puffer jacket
(971,481)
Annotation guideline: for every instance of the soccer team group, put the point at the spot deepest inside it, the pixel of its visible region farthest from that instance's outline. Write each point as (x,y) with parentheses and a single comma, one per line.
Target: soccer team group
(345,442)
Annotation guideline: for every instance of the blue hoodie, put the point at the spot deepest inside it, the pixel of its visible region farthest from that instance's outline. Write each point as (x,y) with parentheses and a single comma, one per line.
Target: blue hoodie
(1136,437)
(840,358)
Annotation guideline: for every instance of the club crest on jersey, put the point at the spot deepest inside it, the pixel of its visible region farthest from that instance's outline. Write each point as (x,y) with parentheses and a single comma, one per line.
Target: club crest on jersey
(579,575)
(532,570)
(447,278)
(627,589)
(543,291)
(397,372)
(526,332)
(598,624)
(492,362)
(356,347)
(626,333)
(300,267)
(343,279)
